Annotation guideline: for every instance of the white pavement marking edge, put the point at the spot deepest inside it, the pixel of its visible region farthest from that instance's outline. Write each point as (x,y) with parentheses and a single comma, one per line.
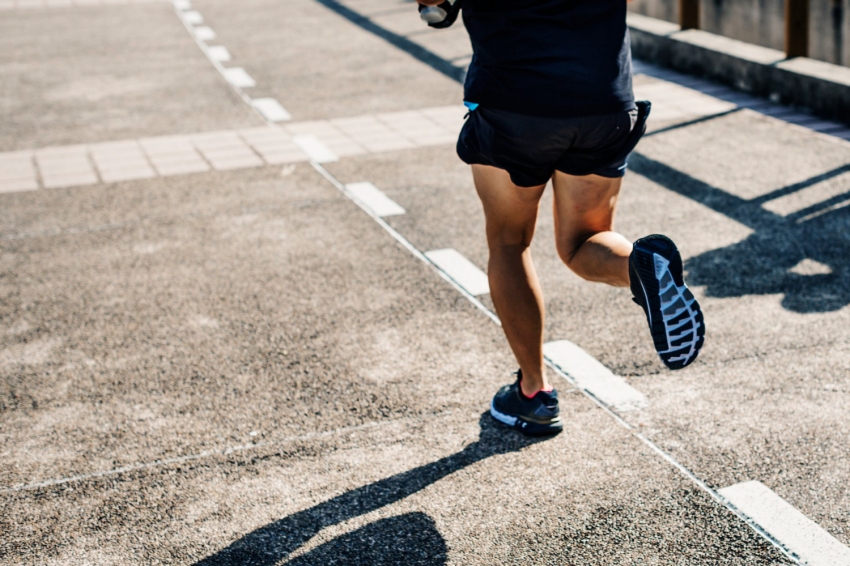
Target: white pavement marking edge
(594,377)
(805,538)
(271,109)
(315,149)
(239,77)
(405,243)
(463,271)
(375,199)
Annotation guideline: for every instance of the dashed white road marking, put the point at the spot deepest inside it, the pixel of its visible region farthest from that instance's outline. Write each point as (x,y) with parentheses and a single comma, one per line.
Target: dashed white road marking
(375,199)
(591,375)
(219,53)
(464,272)
(204,33)
(271,109)
(315,149)
(802,536)
(405,243)
(193,17)
(239,77)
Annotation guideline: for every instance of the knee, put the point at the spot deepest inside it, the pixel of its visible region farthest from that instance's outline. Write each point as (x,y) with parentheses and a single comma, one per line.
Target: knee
(509,239)
(567,247)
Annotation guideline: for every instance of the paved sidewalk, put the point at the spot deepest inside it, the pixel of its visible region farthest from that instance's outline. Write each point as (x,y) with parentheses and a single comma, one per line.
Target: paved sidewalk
(251,361)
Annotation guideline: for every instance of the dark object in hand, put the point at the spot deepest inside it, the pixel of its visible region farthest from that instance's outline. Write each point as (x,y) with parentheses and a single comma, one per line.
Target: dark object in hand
(442,15)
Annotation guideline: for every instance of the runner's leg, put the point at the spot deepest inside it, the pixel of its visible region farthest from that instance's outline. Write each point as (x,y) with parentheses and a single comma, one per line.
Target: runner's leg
(511,215)
(584,210)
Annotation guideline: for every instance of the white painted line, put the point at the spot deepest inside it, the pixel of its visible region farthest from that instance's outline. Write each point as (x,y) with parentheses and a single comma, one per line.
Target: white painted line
(271,109)
(204,33)
(182,5)
(219,53)
(464,272)
(194,18)
(798,533)
(315,150)
(375,199)
(238,77)
(594,377)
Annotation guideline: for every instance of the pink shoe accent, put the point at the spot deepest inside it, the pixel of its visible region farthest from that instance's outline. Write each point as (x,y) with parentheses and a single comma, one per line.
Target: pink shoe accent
(546,390)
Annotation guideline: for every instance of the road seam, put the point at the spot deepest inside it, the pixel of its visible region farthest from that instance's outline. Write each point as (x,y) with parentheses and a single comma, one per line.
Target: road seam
(220,452)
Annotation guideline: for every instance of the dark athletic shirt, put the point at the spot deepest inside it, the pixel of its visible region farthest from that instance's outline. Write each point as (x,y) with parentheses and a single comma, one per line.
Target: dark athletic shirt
(553,58)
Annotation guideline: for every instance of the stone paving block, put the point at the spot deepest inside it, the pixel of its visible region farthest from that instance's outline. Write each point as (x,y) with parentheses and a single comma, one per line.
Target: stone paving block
(173,155)
(318,128)
(337,141)
(69,179)
(225,150)
(121,161)
(274,145)
(18,185)
(450,117)
(372,134)
(65,166)
(17,166)
(359,124)
(419,129)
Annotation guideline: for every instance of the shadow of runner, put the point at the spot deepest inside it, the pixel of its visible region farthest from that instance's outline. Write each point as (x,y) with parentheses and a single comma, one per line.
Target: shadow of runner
(762,264)
(275,541)
(411,539)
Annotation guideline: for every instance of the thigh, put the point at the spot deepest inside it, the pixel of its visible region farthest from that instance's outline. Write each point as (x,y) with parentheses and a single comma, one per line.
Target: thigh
(583,206)
(510,210)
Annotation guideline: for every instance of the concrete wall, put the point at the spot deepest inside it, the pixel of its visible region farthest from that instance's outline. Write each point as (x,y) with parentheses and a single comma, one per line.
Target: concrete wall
(762,22)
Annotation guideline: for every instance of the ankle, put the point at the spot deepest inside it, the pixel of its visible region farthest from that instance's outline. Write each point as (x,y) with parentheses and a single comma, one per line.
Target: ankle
(530,387)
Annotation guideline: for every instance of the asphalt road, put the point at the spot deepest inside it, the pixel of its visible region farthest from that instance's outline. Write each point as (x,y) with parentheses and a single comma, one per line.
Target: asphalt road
(243,367)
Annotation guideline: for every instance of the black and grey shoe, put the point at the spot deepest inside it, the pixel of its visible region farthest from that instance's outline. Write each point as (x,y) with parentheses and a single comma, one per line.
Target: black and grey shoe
(674,315)
(538,416)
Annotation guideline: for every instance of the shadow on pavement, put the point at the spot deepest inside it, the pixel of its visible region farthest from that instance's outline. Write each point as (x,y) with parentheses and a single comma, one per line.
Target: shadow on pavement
(274,542)
(409,539)
(764,262)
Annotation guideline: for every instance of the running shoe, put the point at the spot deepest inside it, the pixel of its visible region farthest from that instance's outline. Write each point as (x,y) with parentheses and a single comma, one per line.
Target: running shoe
(674,316)
(538,416)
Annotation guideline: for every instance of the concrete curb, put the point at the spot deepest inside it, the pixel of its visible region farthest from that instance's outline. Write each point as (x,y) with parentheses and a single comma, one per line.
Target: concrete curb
(822,87)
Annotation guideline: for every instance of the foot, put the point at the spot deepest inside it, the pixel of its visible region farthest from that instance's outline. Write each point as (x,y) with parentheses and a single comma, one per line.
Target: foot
(537,416)
(674,316)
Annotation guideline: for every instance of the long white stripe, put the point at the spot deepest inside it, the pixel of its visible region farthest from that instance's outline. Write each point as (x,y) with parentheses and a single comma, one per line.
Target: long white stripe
(374,198)
(805,538)
(466,273)
(591,375)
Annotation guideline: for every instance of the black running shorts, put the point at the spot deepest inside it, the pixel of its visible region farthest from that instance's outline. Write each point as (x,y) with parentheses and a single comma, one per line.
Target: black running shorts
(532,148)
